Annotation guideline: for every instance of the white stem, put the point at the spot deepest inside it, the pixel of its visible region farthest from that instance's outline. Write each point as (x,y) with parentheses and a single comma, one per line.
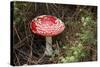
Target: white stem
(49,49)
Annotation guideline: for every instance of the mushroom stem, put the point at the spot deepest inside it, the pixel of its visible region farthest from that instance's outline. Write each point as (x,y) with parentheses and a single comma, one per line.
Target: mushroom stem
(49,49)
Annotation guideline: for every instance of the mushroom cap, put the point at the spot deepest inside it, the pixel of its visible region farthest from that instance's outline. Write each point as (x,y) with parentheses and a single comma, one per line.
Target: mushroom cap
(47,25)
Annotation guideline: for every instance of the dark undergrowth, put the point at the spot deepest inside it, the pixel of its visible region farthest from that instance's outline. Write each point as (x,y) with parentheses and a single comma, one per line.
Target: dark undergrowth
(77,43)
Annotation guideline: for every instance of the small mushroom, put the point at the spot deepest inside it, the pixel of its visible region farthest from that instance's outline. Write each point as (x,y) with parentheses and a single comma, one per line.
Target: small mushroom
(48,26)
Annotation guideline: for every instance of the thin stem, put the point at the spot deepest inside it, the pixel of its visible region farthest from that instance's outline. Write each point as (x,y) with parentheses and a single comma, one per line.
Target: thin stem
(49,49)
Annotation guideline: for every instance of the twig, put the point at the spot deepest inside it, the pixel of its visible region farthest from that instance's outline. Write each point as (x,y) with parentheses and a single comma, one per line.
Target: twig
(17,59)
(17,32)
(21,41)
(30,55)
(26,55)
(58,47)
(41,58)
(55,9)
(88,47)
(35,5)
(47,9)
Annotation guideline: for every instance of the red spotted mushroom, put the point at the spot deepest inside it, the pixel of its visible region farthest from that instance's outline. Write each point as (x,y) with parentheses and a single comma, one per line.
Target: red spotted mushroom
(48,26)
